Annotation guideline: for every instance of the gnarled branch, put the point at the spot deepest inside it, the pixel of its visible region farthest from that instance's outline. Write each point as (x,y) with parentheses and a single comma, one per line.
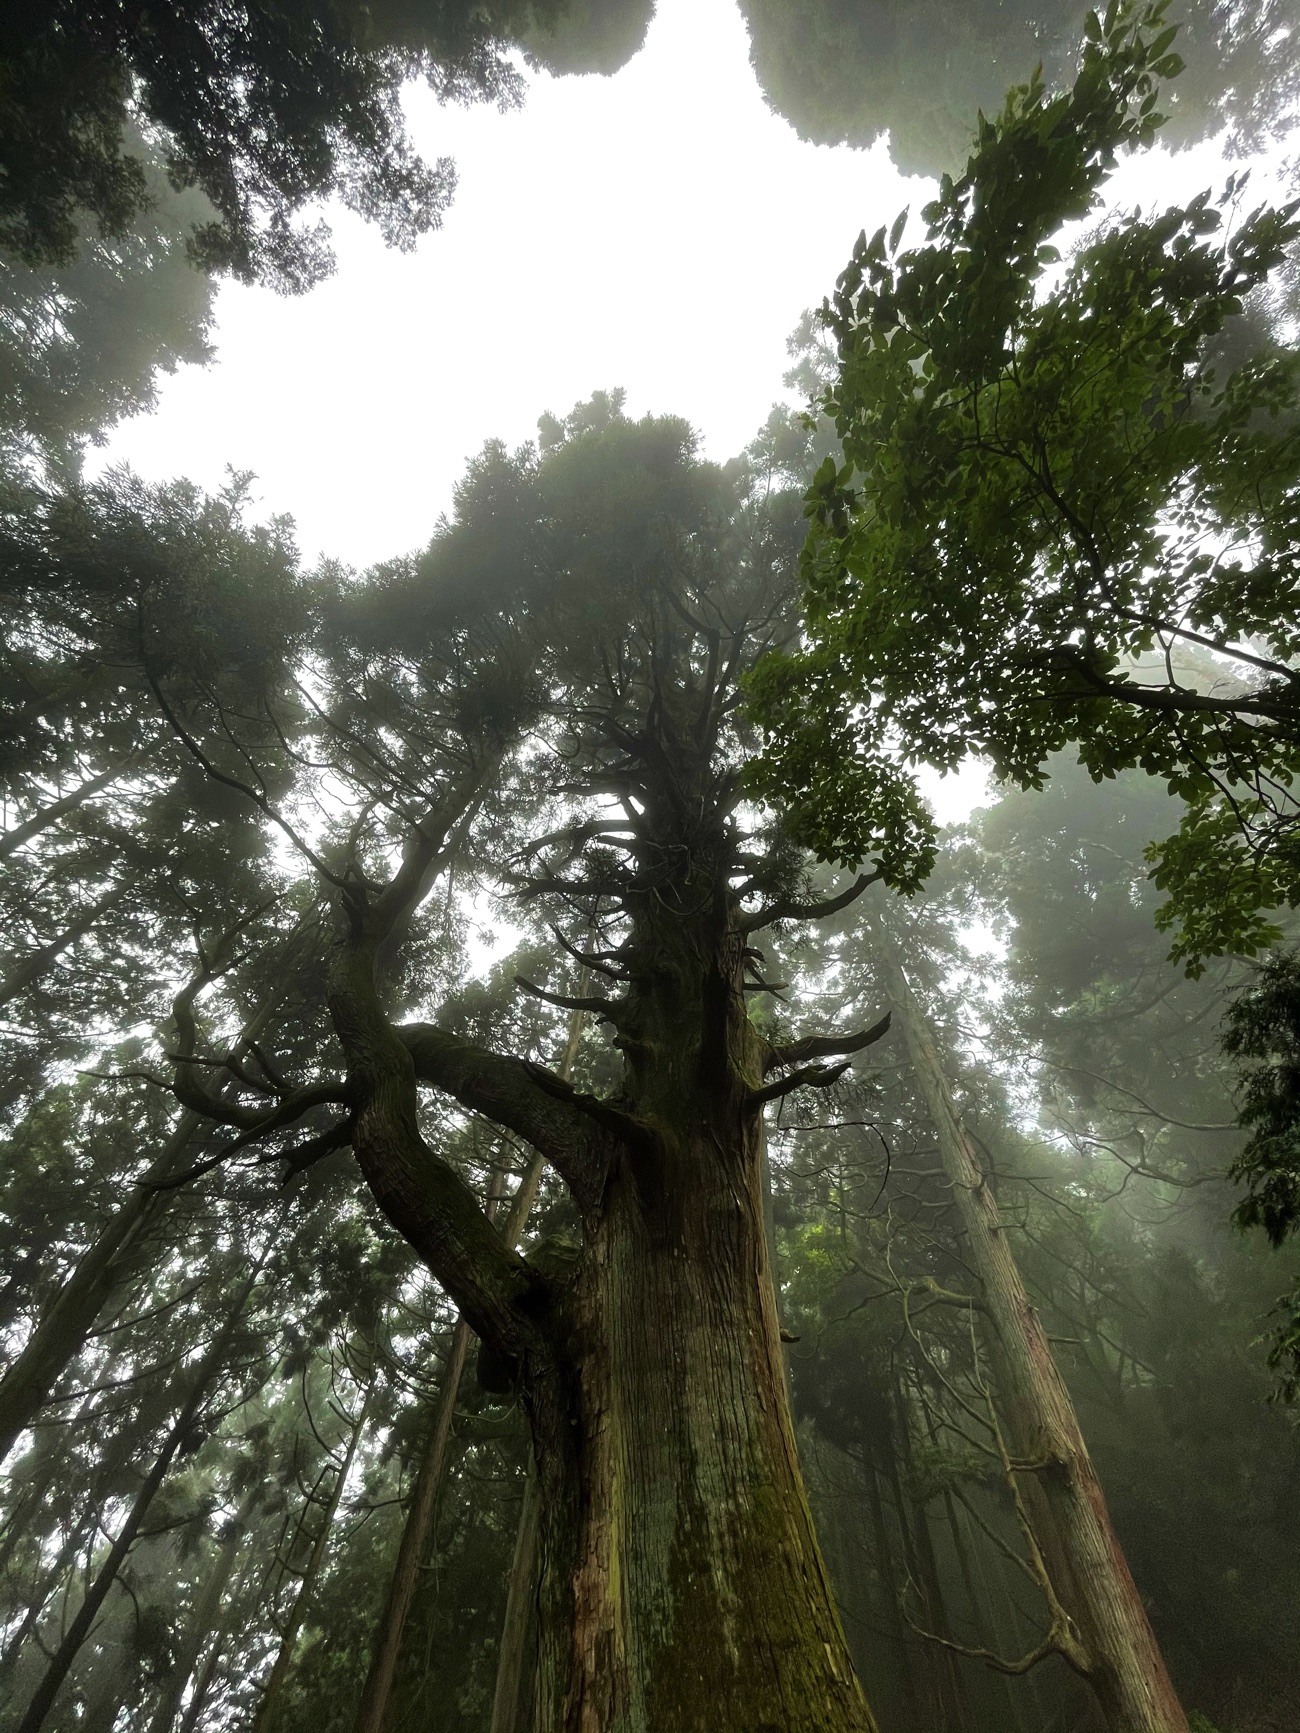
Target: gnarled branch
(524,1098)
(824,1046)
(787,909)
(608,1010)
(807,1077)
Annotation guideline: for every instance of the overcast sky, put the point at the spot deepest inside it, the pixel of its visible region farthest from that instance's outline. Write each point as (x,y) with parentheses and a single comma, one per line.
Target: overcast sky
(660,230)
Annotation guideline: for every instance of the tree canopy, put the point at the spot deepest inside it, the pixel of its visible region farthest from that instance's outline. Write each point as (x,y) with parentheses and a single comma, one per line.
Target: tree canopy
(264,109)
(848,71)
(495,1233)
(1064,511)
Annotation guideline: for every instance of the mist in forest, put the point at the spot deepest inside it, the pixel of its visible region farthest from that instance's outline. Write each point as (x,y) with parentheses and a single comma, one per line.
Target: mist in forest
(678,1107)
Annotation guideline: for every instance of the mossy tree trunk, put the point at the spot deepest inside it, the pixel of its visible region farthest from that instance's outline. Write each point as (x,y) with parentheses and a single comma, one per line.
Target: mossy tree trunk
(681,1586)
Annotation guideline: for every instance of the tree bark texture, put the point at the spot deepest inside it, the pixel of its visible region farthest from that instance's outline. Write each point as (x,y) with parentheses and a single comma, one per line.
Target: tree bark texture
(681,1588)
(1119,1655)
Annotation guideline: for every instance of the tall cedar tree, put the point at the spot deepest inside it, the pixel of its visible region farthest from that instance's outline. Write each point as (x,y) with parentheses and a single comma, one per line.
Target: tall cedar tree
(565,664)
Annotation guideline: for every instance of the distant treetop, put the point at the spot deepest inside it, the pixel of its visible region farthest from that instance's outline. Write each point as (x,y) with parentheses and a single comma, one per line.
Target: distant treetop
(846,71)
(264,108)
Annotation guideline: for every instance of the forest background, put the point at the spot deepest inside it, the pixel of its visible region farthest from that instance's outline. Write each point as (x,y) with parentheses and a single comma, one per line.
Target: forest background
(228,1383)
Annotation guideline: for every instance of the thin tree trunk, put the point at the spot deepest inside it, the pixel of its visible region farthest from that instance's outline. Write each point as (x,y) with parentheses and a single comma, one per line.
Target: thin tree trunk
(57,809)
(36,1474)
(40,1596)
(203,1683)
(889,1593)
(67,1322)
(415,1534)
(203,1618)
(517,1663)
(40,1470)
(1116,1648)
(378,1688)
(951,1687)
(985,1628)
(306,1588)
(196,1387)
(26,973)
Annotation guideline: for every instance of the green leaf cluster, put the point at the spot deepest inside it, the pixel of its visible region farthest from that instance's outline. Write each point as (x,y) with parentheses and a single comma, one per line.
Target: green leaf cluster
(1057,519)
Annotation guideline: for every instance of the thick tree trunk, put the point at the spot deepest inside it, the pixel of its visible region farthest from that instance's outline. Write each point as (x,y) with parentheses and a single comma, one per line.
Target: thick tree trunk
(681,1588)
(1119,1655)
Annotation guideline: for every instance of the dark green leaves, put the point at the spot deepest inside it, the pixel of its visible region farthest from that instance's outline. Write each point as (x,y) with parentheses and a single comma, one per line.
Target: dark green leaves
(1059,519)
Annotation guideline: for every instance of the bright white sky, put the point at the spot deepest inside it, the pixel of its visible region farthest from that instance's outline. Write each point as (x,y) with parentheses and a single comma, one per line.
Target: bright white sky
(660,230)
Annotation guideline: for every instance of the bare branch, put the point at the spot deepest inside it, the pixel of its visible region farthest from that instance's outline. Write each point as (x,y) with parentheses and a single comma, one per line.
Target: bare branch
(607,1009)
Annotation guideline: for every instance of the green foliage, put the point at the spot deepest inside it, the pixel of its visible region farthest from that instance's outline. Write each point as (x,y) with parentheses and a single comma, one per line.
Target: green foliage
(83,345)
(266,108)
(1053,522)
(849,70)
(1262,1029)
(587,36)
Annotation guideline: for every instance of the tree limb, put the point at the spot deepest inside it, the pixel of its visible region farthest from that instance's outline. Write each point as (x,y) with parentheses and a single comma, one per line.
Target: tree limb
(786,909)
(524,1098)
(824,1046)
(609,1010)
(807,1077)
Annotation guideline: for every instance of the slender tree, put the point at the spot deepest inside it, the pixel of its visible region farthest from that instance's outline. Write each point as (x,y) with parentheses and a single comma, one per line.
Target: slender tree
(1099,1623)
(195,1387)
(300,1606)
